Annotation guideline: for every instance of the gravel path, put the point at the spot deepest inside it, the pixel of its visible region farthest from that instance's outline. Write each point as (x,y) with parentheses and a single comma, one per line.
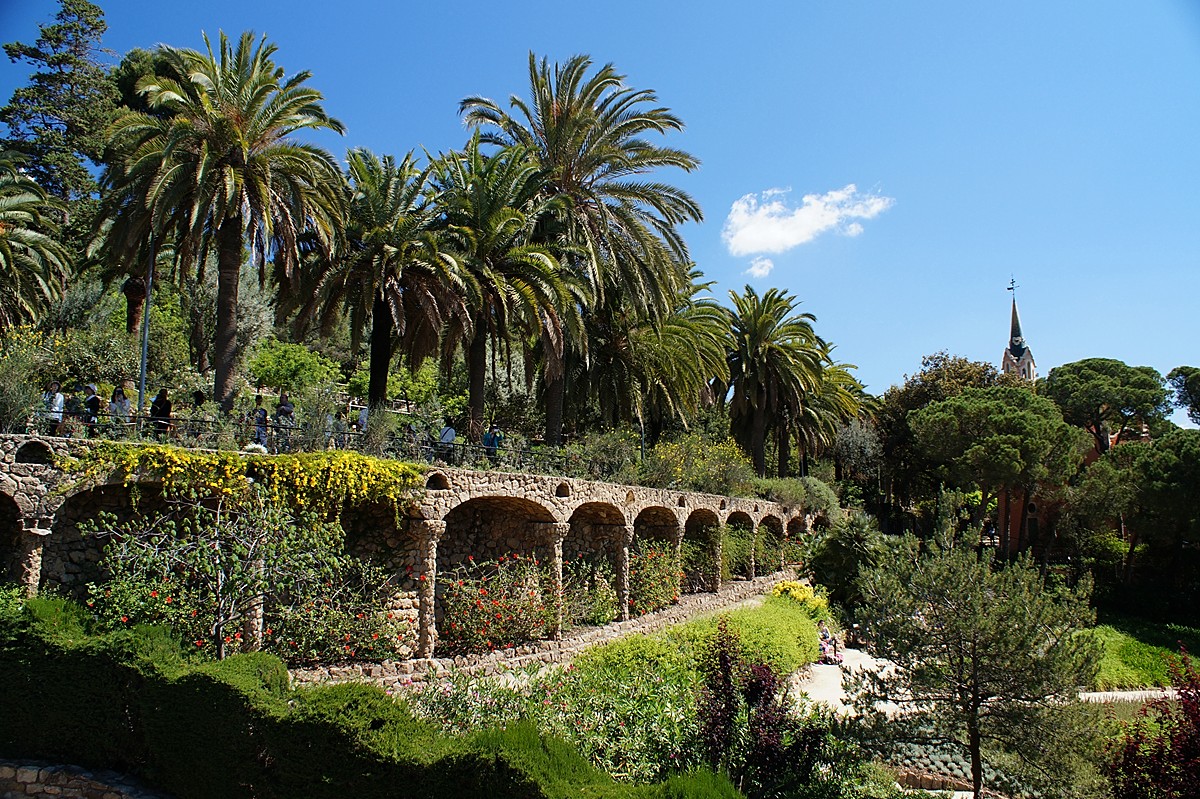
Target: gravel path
(822,683)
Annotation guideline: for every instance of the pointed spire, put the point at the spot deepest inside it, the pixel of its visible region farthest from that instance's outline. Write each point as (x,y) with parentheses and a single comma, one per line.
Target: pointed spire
(1016,341)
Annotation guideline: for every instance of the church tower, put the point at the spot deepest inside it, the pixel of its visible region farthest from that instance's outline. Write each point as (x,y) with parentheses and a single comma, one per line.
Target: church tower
(1018,359)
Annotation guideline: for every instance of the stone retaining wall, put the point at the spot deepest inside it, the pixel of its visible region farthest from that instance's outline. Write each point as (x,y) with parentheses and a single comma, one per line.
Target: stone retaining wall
(395,675)
(21,779)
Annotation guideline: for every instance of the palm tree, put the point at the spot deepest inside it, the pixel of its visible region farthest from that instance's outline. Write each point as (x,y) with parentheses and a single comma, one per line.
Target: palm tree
(492,206)
(816,421)
(650,371)
(586,133)
(33,262)
(390,270)
(775,359)
(218,170)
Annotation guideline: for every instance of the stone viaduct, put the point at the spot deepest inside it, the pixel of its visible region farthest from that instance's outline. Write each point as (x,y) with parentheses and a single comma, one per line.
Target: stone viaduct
(459,516)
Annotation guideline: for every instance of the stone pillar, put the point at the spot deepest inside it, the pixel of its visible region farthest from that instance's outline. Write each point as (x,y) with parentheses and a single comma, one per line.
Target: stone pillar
(29,559)
(552,534)
(716,552)
(624,539)
(752,569)
(429,533)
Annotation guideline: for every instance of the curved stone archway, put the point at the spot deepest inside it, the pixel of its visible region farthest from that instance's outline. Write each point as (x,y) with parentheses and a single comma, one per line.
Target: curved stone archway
(596,562)
(12,550)
(738,556)
(768,546)
(702,551)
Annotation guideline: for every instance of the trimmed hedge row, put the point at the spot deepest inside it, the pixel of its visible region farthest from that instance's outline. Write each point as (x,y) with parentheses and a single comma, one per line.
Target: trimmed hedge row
(132,702)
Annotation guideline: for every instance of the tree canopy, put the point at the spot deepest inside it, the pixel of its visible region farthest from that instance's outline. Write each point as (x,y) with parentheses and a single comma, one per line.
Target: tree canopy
(1107,397)
(987,661)
(996,440)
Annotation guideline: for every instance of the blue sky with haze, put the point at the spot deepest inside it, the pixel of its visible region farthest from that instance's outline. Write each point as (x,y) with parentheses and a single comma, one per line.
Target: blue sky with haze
(891,164)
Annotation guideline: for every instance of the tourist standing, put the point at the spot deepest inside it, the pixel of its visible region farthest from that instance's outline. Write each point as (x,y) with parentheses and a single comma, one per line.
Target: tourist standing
(160,413)
(91,409)
(285,420)
(118,412)
(52,407)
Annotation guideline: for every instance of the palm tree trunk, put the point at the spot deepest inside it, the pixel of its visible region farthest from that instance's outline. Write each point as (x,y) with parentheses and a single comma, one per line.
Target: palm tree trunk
(381,351)
(784,450)
(556,394)
(134,289)
(758,442)
(476,377)
(229,269)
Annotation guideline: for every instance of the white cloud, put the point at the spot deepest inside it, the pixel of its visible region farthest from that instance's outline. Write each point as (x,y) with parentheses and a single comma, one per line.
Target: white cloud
(765,223)
(760,267)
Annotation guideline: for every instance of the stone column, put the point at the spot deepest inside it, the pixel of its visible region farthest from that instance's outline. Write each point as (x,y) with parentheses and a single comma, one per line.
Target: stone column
(552,534)
(716,552)
(429,533)
(29,559)
(752,569)
(624,539)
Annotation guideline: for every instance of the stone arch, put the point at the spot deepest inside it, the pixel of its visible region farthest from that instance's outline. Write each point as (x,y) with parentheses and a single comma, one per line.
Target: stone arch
(796,528)
(34,452)
(69,560)
(483,529)
(701,564)
(594,563)
(562,490)
(656,524)
(11,531)
(437,481)
(768,546)
(737,550)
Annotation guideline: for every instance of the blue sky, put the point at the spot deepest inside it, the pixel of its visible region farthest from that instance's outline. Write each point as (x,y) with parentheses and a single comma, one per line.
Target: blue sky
(891,164)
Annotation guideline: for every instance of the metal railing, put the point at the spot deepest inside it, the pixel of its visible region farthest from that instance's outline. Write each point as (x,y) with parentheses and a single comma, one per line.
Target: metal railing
(201,431)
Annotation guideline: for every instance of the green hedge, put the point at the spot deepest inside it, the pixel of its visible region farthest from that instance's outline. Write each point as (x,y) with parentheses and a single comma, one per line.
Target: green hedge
(131,701)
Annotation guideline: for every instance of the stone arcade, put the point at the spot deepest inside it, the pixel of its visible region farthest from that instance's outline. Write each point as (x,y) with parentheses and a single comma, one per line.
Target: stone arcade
(460,514)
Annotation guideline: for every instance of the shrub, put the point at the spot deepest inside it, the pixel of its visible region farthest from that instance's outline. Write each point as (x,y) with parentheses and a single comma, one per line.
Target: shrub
(1158,752)
(808,493)
(130,700)
(696,463)
(21,358)
(736,546)
(493,604)
(813,603)
(653,579)
(749,732)
(292,367)
(588,594)
(697,565)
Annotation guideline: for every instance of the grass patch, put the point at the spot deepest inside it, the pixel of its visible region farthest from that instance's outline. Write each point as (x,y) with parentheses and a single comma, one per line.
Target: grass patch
(1137,652)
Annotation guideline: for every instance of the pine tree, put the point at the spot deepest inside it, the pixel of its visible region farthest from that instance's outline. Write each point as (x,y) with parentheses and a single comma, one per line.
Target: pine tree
(58,120)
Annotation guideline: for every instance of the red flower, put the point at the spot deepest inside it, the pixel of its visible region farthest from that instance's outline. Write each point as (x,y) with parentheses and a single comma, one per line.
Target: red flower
(125,619)
(153,593)
(199,642)
(167,600)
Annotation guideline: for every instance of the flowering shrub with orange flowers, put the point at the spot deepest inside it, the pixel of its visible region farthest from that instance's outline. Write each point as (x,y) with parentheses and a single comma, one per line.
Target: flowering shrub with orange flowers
(489,605)
(654,577)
